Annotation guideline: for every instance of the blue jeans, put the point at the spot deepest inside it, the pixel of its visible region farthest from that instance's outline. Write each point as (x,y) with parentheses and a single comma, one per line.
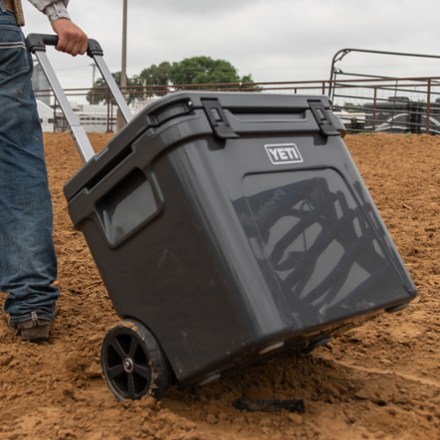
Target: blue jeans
(27,256)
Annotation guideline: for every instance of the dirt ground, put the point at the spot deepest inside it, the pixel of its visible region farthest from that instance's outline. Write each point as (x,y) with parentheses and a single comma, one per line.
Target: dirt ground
(378,381)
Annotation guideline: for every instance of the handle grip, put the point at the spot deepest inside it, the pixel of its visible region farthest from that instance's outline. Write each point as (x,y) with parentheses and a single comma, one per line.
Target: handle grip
(38,42)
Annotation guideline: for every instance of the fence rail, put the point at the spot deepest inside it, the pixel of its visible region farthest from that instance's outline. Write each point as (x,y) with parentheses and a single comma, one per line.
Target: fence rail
(364,103)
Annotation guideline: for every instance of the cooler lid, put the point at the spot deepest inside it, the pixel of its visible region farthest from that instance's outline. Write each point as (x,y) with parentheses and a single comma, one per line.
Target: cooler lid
(221,114)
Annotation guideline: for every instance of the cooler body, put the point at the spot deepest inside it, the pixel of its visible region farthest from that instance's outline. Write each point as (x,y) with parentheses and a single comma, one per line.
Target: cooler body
(233,223)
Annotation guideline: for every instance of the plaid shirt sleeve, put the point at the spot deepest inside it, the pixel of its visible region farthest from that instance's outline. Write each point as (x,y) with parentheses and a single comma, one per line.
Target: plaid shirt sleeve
(54,9)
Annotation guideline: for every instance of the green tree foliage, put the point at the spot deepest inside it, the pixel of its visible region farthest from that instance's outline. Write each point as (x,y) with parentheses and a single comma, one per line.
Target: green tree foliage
(203,70)
(99,93)
(195,70)
(158,79)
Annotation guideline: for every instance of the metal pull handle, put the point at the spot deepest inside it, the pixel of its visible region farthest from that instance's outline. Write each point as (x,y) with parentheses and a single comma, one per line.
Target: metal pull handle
(36,44)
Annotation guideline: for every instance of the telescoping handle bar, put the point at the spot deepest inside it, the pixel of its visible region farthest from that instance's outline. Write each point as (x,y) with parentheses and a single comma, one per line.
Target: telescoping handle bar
(36,44)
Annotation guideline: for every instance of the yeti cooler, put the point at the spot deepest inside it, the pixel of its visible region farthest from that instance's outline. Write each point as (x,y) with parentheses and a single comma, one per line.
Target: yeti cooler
(234,224)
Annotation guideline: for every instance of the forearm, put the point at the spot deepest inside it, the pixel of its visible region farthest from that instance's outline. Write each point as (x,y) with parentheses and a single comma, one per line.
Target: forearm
(71,38)
(54,9)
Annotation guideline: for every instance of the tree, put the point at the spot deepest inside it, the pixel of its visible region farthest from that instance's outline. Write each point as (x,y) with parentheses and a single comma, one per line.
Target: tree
(195,70)
(203,70)
(157,79)
(99,92)
(159,76)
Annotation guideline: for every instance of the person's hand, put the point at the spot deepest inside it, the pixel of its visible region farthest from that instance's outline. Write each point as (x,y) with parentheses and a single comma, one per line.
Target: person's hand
(71,39)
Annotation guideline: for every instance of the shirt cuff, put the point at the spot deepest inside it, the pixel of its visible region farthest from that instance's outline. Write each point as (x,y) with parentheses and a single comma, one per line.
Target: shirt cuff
(56,10)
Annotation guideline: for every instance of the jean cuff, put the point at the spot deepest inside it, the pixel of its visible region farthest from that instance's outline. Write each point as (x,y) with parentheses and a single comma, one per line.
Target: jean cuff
(14,320)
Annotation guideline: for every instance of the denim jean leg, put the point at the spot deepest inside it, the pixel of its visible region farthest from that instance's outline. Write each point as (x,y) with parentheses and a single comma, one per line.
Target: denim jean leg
(27,256)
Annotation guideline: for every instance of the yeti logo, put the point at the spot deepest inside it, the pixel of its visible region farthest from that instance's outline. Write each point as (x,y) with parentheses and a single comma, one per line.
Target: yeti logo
(280,154)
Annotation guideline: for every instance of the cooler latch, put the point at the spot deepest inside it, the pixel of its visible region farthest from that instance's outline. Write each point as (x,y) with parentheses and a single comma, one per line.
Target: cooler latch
(217,118)
(322,117)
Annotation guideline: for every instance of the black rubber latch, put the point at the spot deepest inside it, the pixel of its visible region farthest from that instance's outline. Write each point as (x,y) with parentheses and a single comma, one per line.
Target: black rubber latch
(322,117)
(217,118)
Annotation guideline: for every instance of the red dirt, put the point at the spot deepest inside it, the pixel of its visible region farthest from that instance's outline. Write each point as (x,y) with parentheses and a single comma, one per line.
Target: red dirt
(378,381)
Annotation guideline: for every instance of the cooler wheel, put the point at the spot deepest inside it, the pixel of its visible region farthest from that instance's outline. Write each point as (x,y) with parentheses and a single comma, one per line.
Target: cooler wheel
(133,362)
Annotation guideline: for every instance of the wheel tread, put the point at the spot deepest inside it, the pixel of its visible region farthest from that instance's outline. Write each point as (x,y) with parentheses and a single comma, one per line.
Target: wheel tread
(149,361)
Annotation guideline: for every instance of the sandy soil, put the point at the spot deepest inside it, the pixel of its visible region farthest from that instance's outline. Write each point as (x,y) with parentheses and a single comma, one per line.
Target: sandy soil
(378,381)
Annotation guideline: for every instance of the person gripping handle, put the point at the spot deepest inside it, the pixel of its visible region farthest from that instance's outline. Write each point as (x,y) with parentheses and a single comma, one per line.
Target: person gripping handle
(72,39)
(28,266)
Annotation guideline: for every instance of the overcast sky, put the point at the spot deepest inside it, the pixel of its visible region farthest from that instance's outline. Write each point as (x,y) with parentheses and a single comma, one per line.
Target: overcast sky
(273,40)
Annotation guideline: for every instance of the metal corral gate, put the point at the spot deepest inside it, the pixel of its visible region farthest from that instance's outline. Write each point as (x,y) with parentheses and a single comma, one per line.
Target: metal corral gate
(367,102)
(364,102)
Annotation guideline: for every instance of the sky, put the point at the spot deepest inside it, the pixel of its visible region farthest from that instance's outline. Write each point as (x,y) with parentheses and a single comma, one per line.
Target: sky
(272,40)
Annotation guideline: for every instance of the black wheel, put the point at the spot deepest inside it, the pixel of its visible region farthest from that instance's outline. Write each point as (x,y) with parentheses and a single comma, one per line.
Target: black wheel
(133,362)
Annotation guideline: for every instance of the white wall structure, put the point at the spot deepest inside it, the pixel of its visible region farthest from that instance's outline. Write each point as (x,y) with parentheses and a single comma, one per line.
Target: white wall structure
(46,114)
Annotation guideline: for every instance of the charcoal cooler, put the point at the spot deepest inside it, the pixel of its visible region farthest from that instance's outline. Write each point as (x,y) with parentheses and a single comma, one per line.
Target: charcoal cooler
(225,226)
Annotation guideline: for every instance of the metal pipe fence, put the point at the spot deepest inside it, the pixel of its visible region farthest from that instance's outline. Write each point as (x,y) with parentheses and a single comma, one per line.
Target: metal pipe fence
(364,103)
